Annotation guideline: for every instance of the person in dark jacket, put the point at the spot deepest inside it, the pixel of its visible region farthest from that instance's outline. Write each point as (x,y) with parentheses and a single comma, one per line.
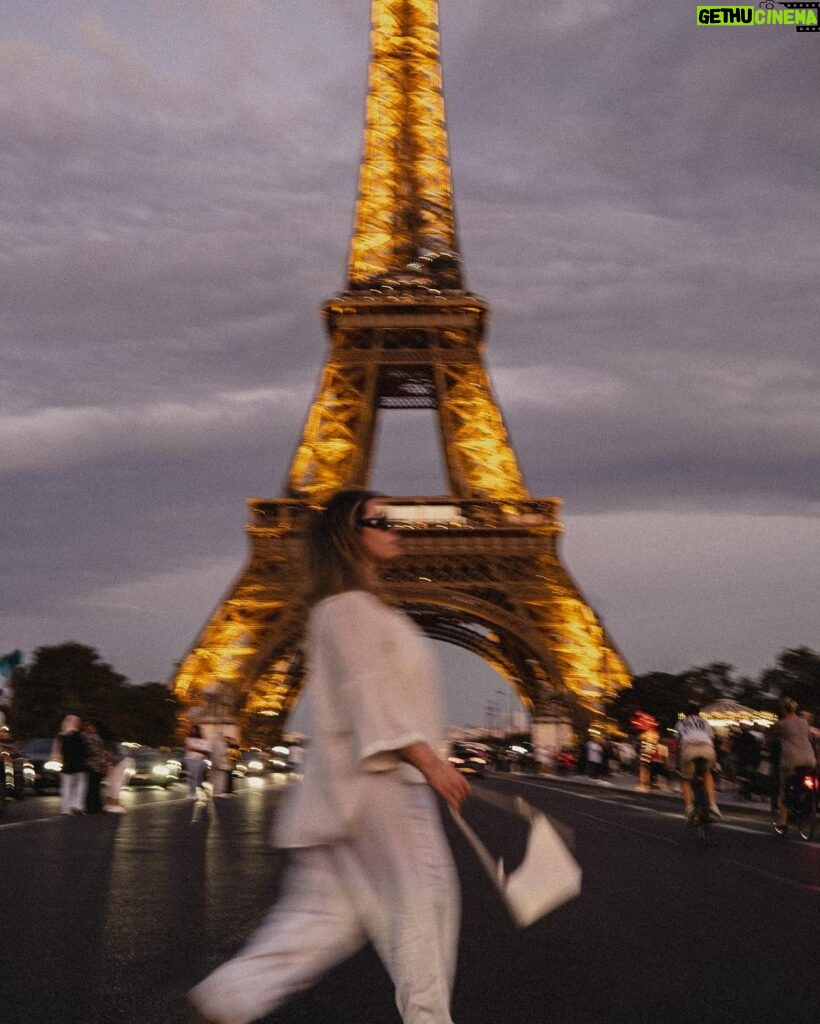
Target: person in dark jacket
(746,750)
(71,749)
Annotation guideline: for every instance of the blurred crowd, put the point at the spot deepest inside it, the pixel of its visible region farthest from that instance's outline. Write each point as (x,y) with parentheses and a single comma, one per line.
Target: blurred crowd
(747,759)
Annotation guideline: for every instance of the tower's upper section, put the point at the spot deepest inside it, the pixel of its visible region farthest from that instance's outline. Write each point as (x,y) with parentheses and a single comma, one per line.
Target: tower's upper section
(404,233)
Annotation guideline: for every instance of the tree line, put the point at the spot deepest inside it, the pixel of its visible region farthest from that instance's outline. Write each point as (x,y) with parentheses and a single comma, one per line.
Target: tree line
(73,678)
(796,674)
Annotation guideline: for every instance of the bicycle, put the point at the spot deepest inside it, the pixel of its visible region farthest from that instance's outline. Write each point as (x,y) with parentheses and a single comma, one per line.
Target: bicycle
(702,815)
(801,804)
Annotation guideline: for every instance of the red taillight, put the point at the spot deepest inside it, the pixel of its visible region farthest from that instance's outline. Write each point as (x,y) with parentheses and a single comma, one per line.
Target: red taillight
(810,781)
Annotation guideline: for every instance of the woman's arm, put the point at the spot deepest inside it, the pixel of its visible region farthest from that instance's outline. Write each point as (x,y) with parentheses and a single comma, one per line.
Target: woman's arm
(442,778)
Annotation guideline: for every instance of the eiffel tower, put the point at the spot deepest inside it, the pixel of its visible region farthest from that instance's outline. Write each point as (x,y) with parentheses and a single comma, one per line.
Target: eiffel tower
(480,568)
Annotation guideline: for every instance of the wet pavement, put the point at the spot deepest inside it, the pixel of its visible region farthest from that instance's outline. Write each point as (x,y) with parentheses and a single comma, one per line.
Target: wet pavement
(109,919)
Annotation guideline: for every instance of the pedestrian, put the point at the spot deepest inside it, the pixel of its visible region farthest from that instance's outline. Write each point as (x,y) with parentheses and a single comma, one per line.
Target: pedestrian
(296,758)
(196,748)
(119,769)
(594,757)
(544,759)
(723,752)
(608,756)
(647,752)
(96,760)
(368,856)
(659,766)
(221,765)
(746,751)
(71,750)
(234,752)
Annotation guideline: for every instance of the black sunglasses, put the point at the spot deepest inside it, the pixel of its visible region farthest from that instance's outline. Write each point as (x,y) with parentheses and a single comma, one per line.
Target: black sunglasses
(376,523)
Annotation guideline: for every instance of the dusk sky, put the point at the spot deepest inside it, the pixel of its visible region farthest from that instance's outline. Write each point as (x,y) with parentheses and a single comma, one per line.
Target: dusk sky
(637,199)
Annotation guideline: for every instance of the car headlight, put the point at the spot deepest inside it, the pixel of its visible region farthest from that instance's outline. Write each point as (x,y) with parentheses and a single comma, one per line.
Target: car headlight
(160,769)
(255,766)
(53,766)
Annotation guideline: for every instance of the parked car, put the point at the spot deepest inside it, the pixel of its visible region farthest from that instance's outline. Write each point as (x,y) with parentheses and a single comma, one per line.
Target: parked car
(469,758)
(286,759)
(151,768)
(520,758)
(177,756)
(6,775)
(19,780)
(251,763)
(46,769)
(175,759)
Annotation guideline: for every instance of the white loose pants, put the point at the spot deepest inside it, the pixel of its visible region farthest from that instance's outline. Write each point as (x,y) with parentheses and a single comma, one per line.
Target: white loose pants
(393,883)
(115,778)
(73,790)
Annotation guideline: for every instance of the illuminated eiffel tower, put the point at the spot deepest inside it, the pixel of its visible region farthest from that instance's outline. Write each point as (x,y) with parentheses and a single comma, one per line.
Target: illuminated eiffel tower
(480,567)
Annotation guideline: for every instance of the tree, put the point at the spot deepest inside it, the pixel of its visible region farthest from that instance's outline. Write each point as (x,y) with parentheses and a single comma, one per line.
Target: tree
(753,694)
(72,679)
(146,713)
(797,675)
(660,694)
(713,682)
(67,679)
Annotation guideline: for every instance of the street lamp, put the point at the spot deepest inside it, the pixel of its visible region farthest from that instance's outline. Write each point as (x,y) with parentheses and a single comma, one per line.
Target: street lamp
(506,694)
(492,713)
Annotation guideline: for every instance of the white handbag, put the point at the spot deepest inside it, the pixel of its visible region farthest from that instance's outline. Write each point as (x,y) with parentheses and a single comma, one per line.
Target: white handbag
(547,877)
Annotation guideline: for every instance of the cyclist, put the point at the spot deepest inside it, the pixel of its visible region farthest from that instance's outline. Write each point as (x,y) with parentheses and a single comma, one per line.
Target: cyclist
(796,752)
(696,739)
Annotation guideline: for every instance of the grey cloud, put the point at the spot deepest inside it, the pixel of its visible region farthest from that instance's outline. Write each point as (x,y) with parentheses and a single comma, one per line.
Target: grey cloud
(60,437)
(635,199)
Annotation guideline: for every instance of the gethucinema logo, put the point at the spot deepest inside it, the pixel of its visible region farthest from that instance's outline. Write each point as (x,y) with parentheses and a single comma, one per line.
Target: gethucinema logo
(804,16)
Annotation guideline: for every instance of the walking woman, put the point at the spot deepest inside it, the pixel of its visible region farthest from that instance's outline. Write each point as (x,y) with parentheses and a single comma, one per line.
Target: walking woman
(121,767)
(369,861)
(196,747)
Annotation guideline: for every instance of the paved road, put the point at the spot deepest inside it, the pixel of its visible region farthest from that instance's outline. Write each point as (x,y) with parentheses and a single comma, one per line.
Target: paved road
(108,920)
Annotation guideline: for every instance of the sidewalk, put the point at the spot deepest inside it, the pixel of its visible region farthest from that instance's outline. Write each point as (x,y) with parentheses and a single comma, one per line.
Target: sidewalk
(627,782)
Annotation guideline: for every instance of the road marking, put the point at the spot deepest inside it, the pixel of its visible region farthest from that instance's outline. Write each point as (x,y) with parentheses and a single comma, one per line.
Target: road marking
(760,832)
(772,877)
(31,821)
(132,808)
(607,798)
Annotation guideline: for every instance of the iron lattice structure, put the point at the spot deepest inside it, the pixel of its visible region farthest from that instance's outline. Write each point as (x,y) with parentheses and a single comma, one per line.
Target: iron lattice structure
(480,568)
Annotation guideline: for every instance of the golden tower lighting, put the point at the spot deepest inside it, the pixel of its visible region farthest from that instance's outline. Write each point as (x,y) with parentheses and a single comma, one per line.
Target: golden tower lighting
(481,568)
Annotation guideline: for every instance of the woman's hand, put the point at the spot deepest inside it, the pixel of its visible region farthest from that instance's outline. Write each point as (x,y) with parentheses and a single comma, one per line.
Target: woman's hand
(450,784)
(441,776)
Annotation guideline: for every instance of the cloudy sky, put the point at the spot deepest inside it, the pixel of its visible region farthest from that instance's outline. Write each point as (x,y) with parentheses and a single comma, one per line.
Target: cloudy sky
(636,198)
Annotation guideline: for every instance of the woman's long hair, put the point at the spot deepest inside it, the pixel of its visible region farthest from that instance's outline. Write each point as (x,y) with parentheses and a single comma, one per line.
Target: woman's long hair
(335,560)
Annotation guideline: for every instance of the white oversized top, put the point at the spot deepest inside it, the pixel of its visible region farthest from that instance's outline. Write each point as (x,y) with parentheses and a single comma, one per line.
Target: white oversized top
(371,688)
